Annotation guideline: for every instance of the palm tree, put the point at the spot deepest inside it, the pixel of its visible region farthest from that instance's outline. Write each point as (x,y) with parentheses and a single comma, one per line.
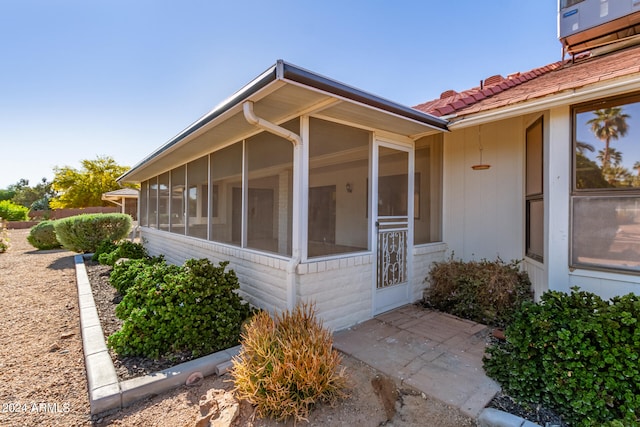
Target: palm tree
(608,124)
(581,147)
(636,167)
(615,156)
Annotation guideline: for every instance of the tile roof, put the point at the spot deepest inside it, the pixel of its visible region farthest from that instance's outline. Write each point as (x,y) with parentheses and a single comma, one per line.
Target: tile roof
(498,91)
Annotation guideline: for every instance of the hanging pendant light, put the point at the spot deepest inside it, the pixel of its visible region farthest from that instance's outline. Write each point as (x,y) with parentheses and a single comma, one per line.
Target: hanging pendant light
(480,166)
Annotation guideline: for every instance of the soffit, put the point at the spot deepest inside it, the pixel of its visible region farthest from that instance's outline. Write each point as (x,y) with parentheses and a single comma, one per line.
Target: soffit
(277,102)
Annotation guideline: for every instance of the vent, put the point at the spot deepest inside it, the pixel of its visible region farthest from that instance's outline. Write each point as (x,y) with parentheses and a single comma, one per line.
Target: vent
(493,80)
(448,93)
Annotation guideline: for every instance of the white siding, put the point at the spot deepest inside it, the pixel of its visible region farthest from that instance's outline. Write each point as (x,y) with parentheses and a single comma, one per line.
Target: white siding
(484,210)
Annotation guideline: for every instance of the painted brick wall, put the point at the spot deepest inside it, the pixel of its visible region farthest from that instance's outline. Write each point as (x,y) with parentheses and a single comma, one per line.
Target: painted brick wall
(262,278)
(341,289)
(423,258)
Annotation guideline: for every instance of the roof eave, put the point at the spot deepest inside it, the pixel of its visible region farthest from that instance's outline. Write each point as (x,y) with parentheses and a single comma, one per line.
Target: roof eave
(573,96)
(290,73)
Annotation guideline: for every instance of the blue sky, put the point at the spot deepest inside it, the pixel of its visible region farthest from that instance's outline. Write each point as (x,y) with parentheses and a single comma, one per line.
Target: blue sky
(119,78)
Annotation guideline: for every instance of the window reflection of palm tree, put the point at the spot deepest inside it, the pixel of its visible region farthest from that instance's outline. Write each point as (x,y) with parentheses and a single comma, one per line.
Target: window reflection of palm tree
(607,125)
(615,156)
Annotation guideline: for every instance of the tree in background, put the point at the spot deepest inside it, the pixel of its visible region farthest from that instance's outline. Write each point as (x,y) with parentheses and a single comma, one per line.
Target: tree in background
(607,125)
(36,197)
(84,188)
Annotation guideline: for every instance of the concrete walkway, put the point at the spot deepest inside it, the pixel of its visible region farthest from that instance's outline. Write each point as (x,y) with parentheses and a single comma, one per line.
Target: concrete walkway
(435,353)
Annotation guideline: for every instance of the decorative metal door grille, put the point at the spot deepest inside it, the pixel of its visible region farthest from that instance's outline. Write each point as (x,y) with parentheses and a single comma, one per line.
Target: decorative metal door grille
(392,251)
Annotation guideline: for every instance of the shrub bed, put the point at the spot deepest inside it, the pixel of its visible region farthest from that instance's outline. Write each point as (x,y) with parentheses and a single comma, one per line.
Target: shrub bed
(485,291)
(575,353)
(43,236)
(171,308)
(287,364)
(84,233)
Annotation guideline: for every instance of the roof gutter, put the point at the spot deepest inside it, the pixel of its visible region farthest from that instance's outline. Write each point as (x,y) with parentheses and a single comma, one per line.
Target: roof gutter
(573,96)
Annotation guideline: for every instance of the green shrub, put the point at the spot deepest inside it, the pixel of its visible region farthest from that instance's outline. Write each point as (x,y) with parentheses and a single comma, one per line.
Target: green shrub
(125,273)
(484,291)
(13,212)
(84,233)
(575,353)
(43,236)
(104,247)
(123,249)
(4,237)
(287,364)
(169,308)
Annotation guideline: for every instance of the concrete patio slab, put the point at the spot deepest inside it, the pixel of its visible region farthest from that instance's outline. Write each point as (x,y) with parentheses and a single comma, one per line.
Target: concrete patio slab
(435,353)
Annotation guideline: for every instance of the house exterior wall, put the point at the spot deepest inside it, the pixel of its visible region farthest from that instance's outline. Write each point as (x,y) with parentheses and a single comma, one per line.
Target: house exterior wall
(341,289)
(423,258)
(559,276)
(263,278)
(484,210)
(484,213)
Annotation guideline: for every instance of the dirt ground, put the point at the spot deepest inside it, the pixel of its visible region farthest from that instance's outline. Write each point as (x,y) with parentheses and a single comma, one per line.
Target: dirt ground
(43,379)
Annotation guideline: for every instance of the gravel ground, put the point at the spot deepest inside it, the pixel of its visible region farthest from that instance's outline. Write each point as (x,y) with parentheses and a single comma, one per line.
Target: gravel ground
(42,373)
(43,379)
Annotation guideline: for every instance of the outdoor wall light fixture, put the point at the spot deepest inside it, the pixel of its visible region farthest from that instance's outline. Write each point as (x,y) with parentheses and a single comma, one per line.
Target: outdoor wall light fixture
(349,187)
(480,166)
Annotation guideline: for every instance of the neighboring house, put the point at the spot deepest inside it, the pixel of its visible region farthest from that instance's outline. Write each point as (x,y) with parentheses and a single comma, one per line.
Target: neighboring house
(126,199)
(314,190)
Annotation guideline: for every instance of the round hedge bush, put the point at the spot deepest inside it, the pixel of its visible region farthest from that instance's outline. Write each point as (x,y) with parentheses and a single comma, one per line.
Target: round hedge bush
(43,236)
(84,233)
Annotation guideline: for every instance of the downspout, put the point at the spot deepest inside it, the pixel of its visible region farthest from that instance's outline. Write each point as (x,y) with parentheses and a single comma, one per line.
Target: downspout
(251,117)
(296,140)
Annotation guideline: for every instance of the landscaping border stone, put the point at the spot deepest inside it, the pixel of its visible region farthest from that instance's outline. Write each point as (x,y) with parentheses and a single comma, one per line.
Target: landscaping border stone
(106,392)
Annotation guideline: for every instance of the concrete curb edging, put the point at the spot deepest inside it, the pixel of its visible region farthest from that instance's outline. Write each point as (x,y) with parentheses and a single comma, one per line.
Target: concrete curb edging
(106,393)
(490,417)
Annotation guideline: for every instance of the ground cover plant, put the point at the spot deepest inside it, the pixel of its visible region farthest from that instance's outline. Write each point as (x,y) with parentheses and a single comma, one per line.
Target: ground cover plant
(169,308)
(485,291)
(84,233)
(43,236)
(576,353)
(108,252)
(287,364)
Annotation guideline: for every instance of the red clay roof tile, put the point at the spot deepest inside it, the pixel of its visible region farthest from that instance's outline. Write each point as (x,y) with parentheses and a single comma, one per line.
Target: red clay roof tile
(537,83)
